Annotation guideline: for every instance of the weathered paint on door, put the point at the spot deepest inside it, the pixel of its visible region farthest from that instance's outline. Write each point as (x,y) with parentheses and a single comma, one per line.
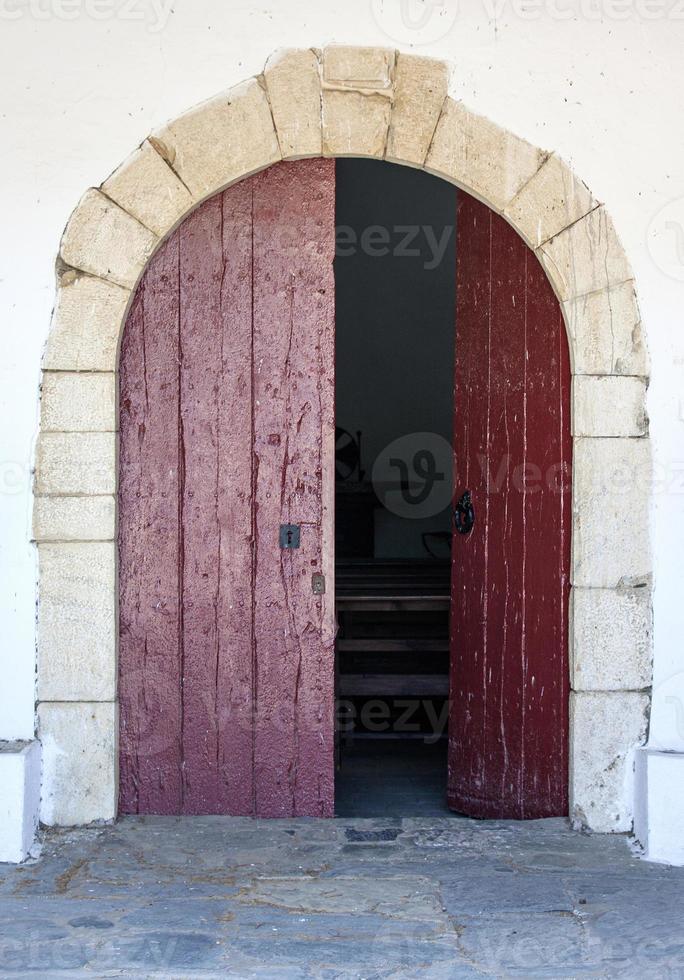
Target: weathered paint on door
(227,432)
(508,751)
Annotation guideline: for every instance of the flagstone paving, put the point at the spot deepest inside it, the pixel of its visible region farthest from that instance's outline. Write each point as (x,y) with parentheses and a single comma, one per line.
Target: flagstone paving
(436,897)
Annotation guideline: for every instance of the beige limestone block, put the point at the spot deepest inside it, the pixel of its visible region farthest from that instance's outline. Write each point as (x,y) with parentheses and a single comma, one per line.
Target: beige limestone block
(612,481)
(293,83)
(420,90)
(606,728)
(76,464)
(104,240)
(78,402)
(86,324)
(77,622)
(221,141)
(363,69)
(611,639)
(146,187)
(79,763)
(553,199)
(355,125)
(479,156)
(358,87)
(74,518)
(586,257)
(605,332)
(609,406)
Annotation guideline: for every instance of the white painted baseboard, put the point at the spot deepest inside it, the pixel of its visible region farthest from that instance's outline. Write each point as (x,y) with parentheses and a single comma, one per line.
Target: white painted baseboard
(659,811)
(20,768)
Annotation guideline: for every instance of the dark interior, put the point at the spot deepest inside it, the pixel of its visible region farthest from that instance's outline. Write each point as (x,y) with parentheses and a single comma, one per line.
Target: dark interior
(395,323)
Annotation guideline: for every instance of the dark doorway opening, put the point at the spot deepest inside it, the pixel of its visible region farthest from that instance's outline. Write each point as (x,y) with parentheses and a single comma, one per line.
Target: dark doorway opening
(395,328)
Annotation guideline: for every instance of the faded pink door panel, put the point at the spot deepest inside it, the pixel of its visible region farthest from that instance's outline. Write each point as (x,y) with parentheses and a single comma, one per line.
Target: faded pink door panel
(150,689)
(508,752)
(293,406)
(227,430)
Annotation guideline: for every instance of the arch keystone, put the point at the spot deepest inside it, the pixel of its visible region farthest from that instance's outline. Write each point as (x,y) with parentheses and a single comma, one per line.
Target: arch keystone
(359,69)
(358,89)
(477,155)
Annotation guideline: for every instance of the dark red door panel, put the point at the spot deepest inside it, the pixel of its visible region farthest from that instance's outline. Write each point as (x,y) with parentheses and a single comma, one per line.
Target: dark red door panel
(508,754)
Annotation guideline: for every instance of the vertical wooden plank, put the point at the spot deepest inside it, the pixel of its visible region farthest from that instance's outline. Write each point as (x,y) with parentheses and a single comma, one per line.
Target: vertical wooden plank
(470,587)
(311,494)
(547,523)
(234,681)
(149,665)
(216,328)
(201,270)
(293,422)
(506,517)
(508,725)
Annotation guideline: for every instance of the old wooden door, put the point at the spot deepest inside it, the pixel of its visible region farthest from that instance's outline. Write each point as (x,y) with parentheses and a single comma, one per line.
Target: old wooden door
(508,751)
(227,433)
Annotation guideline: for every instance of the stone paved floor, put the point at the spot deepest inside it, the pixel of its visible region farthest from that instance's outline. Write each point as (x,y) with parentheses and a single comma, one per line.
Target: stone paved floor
(376,898)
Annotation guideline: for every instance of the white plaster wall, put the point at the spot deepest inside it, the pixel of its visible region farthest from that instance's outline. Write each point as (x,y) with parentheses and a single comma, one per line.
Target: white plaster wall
(83,81)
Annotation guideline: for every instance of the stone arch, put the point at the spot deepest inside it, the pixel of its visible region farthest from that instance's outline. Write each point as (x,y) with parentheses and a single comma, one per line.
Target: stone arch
(343,101)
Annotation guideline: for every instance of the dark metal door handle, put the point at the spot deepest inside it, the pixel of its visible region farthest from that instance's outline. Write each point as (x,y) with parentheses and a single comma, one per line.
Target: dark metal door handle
(464,514)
